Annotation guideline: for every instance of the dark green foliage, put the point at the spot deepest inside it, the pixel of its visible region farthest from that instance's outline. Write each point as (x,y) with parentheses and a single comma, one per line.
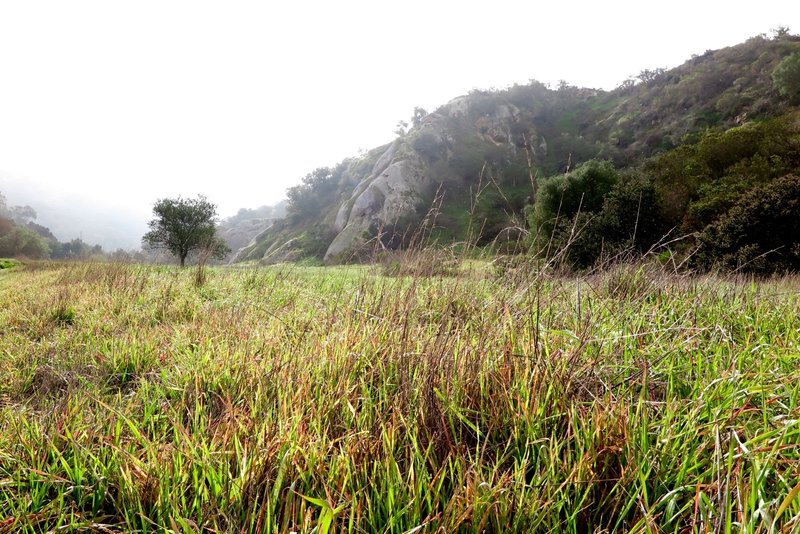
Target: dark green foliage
(184,225)
(428,145)
(600,214)
(761,233)
(576,240)
(699,182)
(702,187)
(631,212)
(21,241)
(560,198)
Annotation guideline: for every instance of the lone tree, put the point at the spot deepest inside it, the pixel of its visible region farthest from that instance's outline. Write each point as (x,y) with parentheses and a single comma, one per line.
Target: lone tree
(184,225)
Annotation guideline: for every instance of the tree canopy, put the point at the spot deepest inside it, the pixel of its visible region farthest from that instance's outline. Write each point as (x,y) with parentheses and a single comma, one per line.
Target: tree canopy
(185,225)
(787,77)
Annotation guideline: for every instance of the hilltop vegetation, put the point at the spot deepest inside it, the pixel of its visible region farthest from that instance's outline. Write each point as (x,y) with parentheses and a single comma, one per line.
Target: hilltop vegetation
(685,147)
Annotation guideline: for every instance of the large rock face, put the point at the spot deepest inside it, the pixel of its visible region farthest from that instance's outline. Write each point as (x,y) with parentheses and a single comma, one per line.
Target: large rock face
(401,184)
(391,188)
(242,233)
(384,199)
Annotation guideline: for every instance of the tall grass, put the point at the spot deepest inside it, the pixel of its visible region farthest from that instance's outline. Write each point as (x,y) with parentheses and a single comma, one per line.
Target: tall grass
(341,400)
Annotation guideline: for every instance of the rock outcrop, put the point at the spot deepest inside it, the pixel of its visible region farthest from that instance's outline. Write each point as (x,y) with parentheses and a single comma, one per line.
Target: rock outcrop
(402,182)
(242,233)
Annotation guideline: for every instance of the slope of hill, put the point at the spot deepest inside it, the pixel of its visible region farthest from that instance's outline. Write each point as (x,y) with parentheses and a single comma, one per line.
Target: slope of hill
(240,230)
(480,158)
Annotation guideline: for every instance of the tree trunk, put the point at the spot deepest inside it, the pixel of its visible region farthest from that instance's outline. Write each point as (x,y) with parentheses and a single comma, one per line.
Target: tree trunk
(183,261)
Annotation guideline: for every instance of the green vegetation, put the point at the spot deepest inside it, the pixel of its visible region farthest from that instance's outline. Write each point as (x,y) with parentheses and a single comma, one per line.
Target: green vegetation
(185,225)
(787,77)
(336,399)
(21,237)
(686,145)
(8,264)
(731,197)
(21,241)
(760,232)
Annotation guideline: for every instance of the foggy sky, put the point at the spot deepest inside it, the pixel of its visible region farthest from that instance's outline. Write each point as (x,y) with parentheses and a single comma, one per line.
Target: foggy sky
(108,106)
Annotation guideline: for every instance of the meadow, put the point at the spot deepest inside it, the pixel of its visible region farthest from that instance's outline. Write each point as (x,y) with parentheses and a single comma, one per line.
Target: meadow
(307,399)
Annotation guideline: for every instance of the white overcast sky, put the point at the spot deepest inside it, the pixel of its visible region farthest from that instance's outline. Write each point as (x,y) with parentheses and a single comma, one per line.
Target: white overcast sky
(121,103)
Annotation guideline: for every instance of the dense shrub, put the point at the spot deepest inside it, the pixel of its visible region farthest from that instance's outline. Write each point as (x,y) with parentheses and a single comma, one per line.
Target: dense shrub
(787,77)
(761,233)
(560,198)
(6,226)
(24,242)
(629,222)
(631,213)
(698,183)
(314,194)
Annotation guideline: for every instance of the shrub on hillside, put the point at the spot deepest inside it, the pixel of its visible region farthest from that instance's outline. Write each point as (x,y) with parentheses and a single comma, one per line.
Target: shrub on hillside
(761,233)
(787,77)
(698,183)
(6,226)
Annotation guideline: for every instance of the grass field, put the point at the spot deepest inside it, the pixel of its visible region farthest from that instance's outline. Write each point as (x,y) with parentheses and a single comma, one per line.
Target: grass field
(146,399)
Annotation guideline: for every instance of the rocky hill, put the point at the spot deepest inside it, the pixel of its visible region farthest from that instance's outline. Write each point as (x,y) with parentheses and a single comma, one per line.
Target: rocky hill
(479,159)
(243,228)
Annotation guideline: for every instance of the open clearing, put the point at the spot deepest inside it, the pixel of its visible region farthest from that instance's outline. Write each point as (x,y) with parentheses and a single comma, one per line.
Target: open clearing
(135,399)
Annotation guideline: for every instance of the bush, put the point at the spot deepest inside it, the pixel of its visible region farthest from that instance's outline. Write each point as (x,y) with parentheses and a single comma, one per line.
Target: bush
(24,242)
(560,198)
(428,146)
(6,226)
(787,77)
(315,194)
(631,213)
(8,264)
(698,183)
(760,234)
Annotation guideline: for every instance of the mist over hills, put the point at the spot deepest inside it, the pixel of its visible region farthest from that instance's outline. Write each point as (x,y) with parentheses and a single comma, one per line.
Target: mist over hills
(69,216)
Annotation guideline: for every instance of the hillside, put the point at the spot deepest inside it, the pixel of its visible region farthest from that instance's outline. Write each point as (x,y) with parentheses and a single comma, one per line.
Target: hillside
(481,159)
(239,231)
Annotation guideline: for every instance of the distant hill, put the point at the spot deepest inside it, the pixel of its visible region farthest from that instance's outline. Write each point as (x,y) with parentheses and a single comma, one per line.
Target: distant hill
(481,158)
(240,230)
(70,217)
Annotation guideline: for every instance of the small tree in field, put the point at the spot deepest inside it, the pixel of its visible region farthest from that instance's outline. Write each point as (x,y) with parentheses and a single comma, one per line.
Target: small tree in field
(184,225)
